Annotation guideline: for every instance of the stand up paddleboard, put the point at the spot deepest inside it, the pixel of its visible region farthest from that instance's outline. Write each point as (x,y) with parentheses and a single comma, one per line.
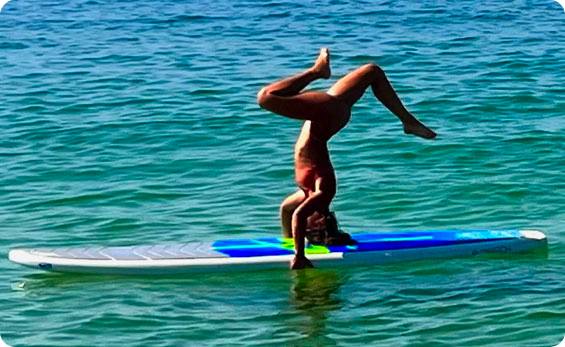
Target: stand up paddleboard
(270,253)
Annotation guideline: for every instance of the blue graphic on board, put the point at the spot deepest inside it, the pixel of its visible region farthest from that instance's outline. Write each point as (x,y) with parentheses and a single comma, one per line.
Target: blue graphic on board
(366,242)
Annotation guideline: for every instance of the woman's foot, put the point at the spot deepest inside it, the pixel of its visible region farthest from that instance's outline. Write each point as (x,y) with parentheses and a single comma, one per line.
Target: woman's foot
(322,65)
(418,129)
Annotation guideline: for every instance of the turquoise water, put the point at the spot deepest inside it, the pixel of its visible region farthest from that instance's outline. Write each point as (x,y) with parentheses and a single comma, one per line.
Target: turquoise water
(135,122)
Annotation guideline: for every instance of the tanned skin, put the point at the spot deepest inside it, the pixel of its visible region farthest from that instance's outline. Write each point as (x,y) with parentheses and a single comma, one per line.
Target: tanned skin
(324,114)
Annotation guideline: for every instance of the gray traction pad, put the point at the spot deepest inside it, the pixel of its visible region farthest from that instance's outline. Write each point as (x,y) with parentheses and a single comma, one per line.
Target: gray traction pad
(190,250)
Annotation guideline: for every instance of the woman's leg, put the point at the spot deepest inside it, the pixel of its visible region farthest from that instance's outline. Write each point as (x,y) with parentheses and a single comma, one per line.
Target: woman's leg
(284,97)
(350,88)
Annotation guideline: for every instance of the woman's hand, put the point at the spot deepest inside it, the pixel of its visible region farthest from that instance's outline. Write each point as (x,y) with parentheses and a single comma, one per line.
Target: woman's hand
(300,263)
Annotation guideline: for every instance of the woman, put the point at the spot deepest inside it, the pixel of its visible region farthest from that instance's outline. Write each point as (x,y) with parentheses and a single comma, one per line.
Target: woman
(325,114)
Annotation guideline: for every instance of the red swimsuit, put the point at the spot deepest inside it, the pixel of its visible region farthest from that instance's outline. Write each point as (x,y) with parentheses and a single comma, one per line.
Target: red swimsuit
(306,177)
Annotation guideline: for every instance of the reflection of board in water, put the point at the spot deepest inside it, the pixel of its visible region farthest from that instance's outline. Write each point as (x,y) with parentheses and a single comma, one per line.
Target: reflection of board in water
(267,253)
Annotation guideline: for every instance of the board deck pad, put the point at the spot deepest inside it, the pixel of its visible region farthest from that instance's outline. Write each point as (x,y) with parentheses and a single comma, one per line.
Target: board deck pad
(370,248)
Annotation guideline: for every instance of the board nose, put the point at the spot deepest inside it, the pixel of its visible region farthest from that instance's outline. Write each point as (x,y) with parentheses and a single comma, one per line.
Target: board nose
(533,234)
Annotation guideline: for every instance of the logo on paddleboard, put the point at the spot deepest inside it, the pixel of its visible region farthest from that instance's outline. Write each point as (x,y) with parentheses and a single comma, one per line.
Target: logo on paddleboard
(562,3)
(2,343)
(561,344)
(2,3)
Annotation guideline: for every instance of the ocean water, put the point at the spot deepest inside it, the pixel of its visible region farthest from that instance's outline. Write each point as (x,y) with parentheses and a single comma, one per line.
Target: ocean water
(136,122)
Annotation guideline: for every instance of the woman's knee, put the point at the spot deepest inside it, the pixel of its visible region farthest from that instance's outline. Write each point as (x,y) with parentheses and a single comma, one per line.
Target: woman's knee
(263,97)
(374,69)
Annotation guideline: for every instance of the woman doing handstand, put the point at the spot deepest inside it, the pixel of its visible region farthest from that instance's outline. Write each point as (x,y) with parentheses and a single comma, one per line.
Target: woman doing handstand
(325,114)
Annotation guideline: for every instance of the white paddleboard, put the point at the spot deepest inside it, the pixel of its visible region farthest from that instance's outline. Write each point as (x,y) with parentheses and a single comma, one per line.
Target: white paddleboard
(268,253)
